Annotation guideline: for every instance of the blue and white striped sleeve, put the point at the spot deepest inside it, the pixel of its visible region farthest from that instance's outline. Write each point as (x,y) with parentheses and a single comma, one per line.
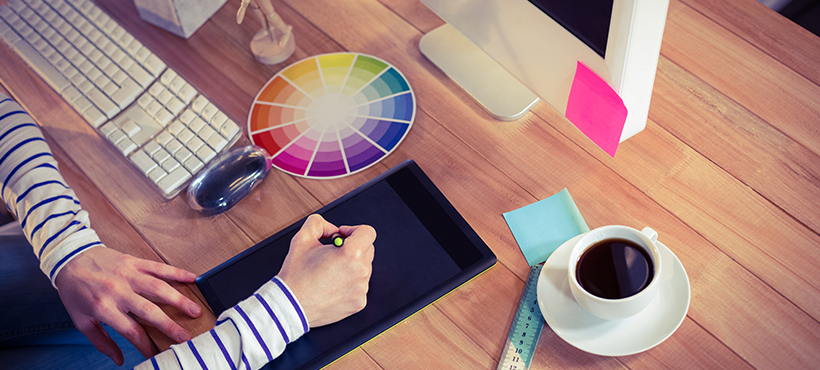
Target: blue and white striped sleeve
(246,336)
(35,192)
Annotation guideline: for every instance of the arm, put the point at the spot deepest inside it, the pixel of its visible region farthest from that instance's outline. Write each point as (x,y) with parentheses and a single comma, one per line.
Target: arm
(317,285)
(96,284)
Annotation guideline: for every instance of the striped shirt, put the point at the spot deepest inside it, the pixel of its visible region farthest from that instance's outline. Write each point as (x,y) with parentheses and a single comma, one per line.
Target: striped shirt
(246,336)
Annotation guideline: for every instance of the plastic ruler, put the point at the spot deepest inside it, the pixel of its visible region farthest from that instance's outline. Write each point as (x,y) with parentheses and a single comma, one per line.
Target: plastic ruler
(526,327)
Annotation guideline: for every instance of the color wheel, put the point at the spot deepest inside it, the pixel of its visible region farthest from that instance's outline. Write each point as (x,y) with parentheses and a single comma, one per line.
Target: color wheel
(332,115)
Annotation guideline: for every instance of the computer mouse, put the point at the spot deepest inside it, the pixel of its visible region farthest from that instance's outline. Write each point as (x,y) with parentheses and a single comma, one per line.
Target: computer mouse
(228,179)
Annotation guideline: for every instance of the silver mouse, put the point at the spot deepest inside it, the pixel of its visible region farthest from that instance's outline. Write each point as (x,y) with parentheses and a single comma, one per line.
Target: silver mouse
(227,179)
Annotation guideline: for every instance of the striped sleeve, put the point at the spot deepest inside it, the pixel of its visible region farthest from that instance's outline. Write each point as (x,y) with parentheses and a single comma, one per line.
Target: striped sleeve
(36,193)
(246,336)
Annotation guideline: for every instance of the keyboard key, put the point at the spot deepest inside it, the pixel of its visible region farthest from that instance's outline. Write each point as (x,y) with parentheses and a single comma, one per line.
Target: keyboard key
(207,132)
(205,154)
(229,130)
(167,77)
(174,179)
(197,124)
(187,116)
(218,120)
(183,154)
(157,174)
(194,144)
(170,164)
(143,161)
(163,117)
(185,135)
(142,55)
(130,128)
(217,142)
(125,95)
(103,102)
(161,155)
(108,128)
(164,137)
(176,127)
(193,164)
(199,104)
(140,75)
(94,116)
(175,105)
(36,61)
(116,135)
(71,94)
(126,146)
(151,147)
(154,65)
(186,93)
(172,147)
(208,112)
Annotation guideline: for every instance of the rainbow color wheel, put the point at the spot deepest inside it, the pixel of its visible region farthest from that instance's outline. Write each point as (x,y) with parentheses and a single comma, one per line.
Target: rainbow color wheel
(332,115)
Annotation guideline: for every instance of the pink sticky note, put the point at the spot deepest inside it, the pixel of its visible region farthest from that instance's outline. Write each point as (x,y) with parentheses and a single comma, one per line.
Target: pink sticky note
(596,109)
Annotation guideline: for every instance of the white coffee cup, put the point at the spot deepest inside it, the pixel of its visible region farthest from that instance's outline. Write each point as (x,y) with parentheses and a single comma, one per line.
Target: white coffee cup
(615,308)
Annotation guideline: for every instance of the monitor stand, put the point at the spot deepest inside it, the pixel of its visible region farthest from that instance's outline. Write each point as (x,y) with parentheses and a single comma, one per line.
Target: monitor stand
(498,92)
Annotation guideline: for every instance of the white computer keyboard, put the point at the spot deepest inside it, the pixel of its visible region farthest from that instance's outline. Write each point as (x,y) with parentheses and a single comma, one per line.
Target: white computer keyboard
(151,115)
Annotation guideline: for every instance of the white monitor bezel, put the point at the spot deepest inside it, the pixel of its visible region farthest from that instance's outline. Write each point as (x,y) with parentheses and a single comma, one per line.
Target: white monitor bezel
(543,55)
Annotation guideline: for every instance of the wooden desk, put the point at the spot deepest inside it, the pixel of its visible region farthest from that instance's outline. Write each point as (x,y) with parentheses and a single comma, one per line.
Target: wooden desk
(727,171)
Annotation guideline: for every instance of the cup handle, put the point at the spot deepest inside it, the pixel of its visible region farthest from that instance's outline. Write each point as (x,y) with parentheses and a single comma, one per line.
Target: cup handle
(651,234)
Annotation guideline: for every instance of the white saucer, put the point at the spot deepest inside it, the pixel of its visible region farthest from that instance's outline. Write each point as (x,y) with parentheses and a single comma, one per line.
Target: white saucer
(624,337)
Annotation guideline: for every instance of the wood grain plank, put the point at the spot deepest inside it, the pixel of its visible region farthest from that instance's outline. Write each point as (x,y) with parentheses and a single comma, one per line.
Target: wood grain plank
(772,33)
(415,13)
(484,307)
(356,359)
(427,340)
(755,80)
(759,155)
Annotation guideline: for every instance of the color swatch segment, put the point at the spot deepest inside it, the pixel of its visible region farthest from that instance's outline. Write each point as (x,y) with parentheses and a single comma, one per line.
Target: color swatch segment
(332,115)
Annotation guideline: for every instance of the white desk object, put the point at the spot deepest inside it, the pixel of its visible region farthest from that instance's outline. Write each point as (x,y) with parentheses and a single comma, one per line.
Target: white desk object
(180,17)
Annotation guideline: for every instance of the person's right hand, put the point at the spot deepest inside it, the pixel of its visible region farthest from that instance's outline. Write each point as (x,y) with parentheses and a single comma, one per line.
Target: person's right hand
(330,283)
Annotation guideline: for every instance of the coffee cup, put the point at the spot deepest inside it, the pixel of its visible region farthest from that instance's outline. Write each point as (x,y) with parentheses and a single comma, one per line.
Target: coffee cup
(614,271)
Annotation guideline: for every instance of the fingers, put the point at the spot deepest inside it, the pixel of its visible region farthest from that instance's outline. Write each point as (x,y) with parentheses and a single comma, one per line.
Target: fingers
(102,341)
(162,291)
(314,228)
(360,240)
(132,331)
(166,271)
(149,312)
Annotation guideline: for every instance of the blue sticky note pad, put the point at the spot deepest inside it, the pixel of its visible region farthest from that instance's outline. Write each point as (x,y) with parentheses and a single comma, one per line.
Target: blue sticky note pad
(540,228)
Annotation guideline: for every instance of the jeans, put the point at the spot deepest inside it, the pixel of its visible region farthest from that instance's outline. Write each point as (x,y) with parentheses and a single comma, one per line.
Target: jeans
(36,331)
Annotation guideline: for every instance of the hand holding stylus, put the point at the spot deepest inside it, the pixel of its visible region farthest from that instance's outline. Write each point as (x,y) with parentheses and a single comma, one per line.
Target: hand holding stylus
(330,281)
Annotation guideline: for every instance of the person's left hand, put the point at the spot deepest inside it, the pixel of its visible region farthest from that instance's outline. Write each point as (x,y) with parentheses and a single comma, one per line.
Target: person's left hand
(103,285)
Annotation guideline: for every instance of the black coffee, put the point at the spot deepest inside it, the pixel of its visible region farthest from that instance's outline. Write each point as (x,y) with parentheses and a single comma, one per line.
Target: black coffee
(615,268)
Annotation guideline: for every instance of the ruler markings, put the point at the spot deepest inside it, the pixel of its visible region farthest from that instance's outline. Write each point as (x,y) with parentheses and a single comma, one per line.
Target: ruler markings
(526,327)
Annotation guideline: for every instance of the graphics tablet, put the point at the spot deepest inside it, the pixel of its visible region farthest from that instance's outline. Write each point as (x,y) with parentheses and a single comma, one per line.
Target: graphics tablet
(424,249)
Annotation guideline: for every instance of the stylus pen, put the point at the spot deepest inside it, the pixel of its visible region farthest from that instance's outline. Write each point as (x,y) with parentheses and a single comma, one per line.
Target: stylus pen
(337,239)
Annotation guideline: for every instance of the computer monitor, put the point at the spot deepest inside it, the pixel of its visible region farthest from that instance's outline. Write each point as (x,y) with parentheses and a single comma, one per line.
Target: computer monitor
(509,53)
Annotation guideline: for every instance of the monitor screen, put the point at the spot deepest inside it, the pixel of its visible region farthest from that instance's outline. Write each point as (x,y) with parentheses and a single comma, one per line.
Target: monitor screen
(588,20)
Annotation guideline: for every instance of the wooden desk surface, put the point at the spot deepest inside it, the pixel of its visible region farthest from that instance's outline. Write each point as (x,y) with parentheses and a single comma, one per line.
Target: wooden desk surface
(727,171)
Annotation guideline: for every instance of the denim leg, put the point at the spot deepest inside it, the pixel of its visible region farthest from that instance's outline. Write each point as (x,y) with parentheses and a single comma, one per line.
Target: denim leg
(36,331)
(30,305)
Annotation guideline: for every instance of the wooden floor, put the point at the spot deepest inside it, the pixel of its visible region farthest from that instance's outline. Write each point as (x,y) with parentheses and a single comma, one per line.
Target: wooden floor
(727,171)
